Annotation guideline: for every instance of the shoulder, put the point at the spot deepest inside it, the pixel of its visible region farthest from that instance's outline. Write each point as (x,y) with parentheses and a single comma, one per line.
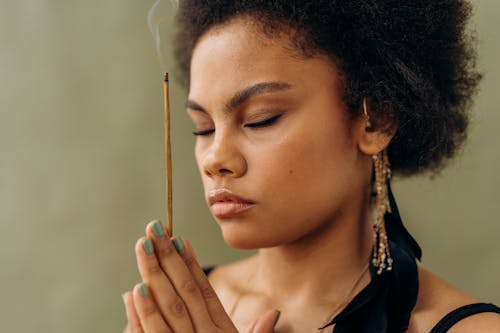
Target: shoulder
(232,273)
(229,280)
(437,298)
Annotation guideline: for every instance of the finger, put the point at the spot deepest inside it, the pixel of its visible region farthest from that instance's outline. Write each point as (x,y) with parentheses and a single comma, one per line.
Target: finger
(266,323)
(171,306)
(156,228)
(214,306)
(147,311)
(182,279)
(134,324)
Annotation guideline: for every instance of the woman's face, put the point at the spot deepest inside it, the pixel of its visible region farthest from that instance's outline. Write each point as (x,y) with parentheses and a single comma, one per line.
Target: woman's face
(277,153)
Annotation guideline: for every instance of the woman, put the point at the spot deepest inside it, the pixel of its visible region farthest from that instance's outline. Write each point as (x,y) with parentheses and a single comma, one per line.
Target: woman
(302,111)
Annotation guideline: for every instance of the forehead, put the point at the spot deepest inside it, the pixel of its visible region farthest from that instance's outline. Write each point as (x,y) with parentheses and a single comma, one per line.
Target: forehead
(238,53)
(239,45)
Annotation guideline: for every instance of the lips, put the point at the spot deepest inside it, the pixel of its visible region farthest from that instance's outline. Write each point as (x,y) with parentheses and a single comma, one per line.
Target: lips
(224,203)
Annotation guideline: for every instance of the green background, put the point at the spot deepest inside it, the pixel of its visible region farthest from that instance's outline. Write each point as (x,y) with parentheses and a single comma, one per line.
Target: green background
(82,168)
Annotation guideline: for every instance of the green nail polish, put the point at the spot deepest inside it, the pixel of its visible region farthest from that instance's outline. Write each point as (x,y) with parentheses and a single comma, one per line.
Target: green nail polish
(277,318)
(158,229)
(148,246)
(144,290)
(179,244)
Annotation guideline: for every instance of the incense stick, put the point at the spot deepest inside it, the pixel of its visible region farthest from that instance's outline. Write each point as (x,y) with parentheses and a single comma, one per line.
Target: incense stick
(168,154)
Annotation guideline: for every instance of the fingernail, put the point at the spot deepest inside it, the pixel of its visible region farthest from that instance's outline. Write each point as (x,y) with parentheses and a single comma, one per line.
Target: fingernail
(158,229)
(148,246)
(123,296)
(277,318)
(144,290)
(179,244)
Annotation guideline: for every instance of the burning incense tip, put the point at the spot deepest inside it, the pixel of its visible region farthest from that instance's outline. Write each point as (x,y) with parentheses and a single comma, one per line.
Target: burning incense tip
(165,78)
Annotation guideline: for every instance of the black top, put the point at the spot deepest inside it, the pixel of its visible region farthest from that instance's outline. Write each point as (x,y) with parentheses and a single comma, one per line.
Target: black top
(450,319)
(462,312)
(385,304)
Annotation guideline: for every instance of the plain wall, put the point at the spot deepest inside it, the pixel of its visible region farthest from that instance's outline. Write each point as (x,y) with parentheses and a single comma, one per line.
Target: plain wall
(82,167)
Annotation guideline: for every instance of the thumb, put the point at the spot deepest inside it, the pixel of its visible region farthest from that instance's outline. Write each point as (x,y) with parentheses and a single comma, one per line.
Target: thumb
(266,323)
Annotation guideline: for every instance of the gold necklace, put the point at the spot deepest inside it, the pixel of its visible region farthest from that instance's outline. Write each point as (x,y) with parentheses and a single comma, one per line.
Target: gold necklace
(345,300)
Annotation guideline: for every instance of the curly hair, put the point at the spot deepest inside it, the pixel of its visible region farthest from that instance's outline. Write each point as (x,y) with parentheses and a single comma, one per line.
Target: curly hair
(414,61)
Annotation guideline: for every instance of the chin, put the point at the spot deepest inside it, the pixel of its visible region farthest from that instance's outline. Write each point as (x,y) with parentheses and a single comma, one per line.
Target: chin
(242,238)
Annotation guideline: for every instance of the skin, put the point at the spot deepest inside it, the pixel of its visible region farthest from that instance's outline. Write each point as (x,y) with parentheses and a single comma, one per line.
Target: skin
(308,174)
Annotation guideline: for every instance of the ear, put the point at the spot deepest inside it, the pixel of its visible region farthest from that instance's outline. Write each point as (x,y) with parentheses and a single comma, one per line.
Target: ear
(372,141)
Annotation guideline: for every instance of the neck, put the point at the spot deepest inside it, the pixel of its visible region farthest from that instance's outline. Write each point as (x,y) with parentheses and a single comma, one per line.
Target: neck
(321,266)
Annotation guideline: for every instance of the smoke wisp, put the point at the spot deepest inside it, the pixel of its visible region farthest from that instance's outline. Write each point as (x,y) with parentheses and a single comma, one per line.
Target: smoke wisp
(162,11)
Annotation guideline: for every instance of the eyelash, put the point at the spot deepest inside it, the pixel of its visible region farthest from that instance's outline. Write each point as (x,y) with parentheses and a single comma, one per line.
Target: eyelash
(259,124)
(203,133)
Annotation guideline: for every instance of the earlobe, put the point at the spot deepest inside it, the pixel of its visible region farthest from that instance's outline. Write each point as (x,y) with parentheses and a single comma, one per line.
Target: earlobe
(372,140)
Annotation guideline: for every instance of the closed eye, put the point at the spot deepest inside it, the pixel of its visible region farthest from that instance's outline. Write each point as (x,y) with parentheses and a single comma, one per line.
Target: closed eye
(204,132)
(264,123)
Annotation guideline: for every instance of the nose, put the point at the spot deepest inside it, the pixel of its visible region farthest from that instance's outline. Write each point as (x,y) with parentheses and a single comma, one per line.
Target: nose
(224,158)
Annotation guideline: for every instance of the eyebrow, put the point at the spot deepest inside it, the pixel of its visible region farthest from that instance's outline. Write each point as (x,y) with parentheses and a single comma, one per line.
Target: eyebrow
(243,95)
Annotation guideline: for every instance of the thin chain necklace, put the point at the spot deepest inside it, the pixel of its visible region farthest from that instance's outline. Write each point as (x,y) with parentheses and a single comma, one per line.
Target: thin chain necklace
(345,300)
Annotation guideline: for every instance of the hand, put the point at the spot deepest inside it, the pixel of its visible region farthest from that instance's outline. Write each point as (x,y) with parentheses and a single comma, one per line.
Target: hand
(176,296)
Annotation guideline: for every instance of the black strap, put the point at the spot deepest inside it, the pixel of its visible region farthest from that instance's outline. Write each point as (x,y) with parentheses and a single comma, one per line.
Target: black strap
(461,313)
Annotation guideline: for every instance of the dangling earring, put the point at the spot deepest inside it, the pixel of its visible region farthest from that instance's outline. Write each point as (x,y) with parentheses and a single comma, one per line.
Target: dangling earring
(381,253)
(381,256)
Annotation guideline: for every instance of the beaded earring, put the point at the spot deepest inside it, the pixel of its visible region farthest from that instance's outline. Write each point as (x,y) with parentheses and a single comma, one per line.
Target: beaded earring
(381,256)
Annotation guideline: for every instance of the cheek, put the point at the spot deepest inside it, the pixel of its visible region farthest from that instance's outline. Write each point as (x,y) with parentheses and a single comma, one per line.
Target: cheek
(307,174)
(309,158)
(198,155)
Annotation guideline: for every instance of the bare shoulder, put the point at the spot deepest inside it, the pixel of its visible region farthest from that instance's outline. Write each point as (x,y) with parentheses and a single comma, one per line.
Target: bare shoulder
(231,274)
(437,298)
(229,280)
